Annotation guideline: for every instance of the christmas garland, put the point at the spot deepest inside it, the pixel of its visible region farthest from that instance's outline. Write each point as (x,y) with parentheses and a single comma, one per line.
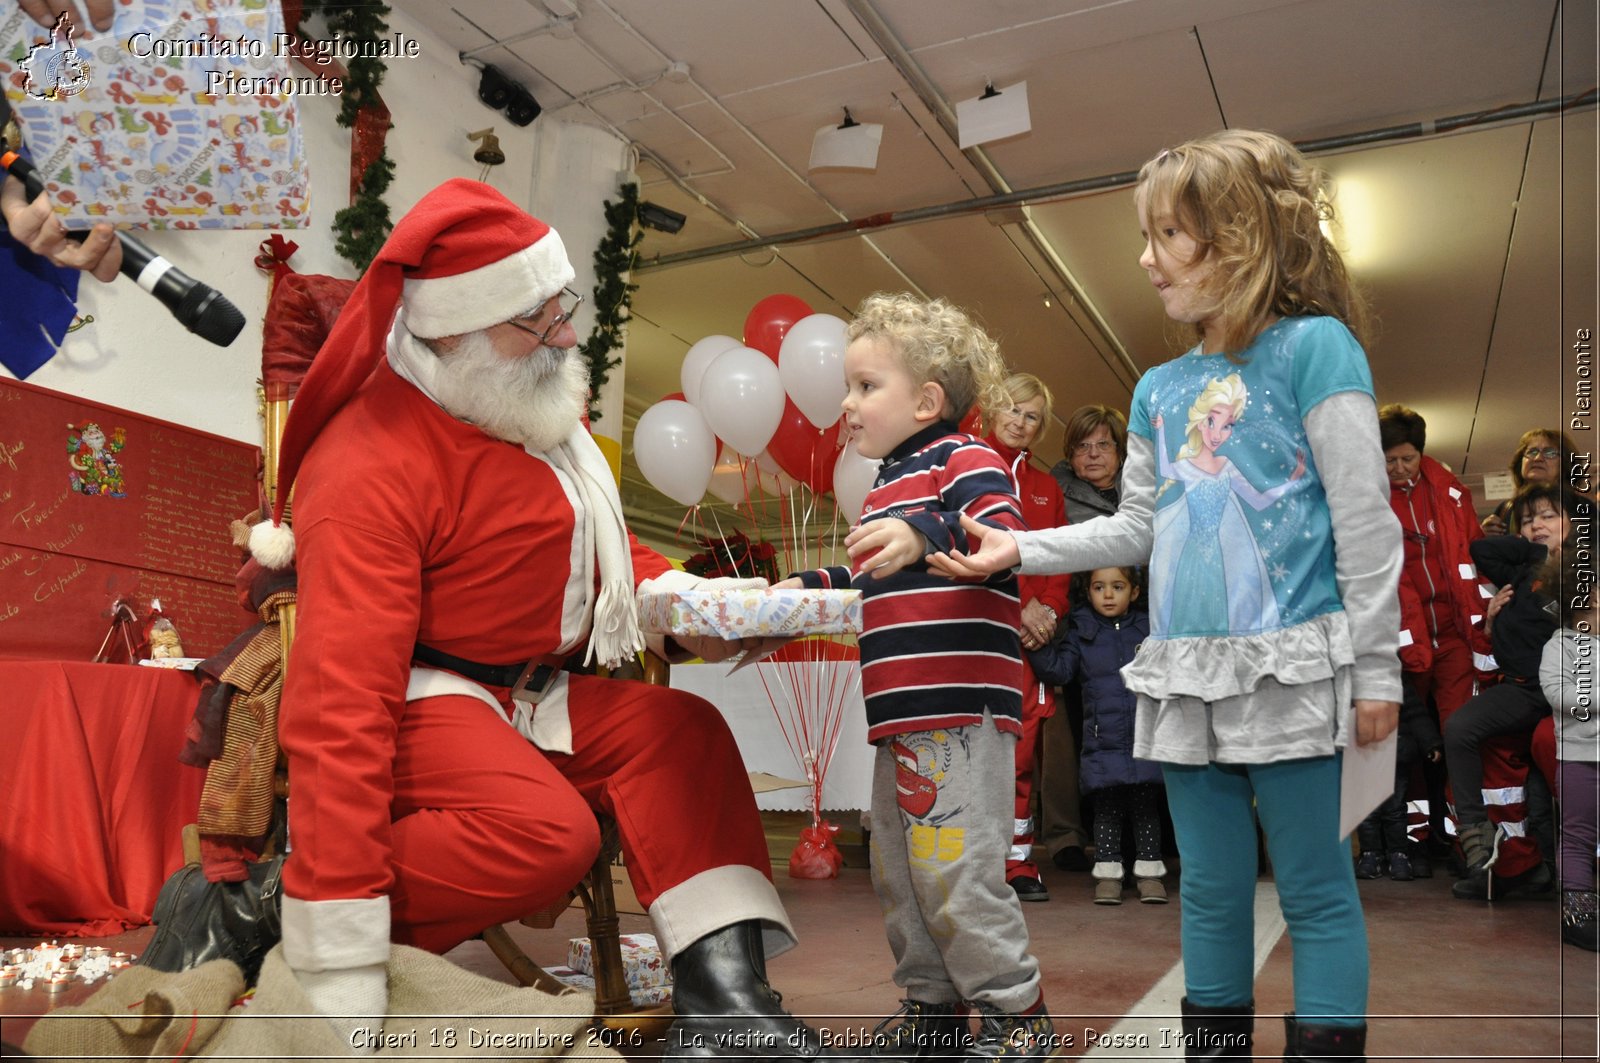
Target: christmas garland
(614,259)
(364,225)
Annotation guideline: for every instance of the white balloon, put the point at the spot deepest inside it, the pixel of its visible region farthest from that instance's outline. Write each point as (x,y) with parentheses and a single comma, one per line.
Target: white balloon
(675,450)
(782,482)
(811,364)
(742,398)
(737,479)
(853,477)
(701,355)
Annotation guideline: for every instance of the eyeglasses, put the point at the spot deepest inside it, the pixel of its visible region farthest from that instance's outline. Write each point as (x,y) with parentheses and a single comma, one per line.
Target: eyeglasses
(1097,446)
(568,301)
(1551,453)
(1025,418)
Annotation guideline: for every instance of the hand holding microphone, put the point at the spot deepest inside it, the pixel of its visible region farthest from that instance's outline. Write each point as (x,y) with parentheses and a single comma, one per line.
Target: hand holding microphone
(105,252)
(35,227)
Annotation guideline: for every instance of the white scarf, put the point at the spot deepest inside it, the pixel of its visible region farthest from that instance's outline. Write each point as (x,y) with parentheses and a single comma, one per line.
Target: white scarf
(614,632)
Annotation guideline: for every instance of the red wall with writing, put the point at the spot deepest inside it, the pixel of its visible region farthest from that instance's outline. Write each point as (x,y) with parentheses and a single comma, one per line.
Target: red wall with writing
(98,504)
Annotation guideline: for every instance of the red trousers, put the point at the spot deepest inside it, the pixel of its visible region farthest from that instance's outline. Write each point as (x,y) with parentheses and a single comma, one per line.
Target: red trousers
(1035,711)
(487,828)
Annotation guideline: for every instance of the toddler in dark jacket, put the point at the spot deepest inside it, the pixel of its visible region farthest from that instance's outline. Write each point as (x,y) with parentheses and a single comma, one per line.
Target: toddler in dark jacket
(1095,643)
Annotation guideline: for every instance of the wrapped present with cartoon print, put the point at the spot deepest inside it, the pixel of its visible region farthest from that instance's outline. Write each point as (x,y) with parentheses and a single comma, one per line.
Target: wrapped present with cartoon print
(742,613)
(642,963)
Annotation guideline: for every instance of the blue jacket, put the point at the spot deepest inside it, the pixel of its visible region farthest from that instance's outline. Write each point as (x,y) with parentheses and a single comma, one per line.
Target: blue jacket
(1093,649)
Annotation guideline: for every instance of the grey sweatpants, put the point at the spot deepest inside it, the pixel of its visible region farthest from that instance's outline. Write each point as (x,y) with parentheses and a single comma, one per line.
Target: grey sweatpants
(941,815)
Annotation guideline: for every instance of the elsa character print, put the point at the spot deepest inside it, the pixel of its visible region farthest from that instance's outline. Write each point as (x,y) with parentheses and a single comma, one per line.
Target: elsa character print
(1218,583)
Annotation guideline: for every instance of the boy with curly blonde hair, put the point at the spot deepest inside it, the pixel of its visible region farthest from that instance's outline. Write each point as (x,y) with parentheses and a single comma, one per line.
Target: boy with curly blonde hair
(941,671)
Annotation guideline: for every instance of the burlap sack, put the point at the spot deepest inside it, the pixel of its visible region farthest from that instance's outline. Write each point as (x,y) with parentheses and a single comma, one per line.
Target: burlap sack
(435,1009)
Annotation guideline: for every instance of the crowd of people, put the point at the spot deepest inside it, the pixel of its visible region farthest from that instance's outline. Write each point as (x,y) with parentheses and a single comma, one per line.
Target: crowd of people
(1222,618)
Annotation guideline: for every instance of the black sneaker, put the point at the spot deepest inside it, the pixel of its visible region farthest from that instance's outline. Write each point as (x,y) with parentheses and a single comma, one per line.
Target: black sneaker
(1369,864)
(1003,1035)
(1029,888)
(1400,869)
(922,1030)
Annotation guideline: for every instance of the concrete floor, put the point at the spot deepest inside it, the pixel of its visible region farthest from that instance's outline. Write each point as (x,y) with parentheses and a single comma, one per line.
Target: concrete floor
(1450,979)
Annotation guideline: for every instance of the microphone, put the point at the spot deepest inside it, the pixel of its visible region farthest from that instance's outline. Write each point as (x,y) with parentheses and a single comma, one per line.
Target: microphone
(198,307)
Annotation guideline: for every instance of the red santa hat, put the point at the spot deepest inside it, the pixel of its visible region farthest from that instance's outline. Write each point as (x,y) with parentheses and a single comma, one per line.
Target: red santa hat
(463,259)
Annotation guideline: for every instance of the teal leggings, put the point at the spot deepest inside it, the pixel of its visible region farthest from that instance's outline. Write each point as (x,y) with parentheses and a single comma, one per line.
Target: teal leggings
(1298,803)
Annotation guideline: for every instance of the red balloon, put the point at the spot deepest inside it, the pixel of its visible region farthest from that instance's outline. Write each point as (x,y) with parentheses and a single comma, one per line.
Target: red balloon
(770,320)
(680,397)
(803,450)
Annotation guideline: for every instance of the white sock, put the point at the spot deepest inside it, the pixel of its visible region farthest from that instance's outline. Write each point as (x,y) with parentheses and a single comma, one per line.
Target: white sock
(354,1000)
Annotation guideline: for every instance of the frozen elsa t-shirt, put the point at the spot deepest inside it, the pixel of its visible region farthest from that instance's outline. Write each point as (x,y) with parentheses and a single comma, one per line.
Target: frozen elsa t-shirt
(1243,542)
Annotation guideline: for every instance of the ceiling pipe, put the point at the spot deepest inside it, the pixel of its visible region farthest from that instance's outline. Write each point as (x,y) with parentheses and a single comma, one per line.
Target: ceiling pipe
(1478,120)
(557,24)
(908,66)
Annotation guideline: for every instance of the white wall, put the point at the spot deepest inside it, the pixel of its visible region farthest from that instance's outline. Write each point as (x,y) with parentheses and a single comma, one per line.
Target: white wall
(136,356)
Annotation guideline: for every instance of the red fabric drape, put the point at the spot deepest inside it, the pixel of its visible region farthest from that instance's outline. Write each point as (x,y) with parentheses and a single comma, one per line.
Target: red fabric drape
(300,314)
(95,798)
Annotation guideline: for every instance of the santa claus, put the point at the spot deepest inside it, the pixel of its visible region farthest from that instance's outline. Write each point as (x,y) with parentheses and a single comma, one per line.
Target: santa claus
(460,542)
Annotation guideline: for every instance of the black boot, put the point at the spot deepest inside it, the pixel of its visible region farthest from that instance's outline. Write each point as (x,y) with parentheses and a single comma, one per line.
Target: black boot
(725,1006)
(1580,924)
(1218,1033)
(922,1030)
(197,920)
(1480,851)
(1305,1043)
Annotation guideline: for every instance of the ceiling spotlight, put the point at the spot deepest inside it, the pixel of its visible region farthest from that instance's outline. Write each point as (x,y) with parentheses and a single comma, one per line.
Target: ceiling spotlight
(494,89)
(659,218)
(850,145)
(1047,300)
(522,108)
(997,114)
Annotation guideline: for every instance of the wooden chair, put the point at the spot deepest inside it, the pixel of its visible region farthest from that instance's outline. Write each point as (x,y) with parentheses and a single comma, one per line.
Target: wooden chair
(301,311)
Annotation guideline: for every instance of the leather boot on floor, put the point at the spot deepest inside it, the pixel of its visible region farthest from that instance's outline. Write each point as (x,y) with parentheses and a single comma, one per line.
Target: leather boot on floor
(1308,1043)
(725,1007)
(1218,1033)
(1480,850)
(922,1030)
(198,920)
(1580,919)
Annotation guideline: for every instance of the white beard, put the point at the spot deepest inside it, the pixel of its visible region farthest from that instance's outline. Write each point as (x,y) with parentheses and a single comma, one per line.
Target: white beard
(534,401)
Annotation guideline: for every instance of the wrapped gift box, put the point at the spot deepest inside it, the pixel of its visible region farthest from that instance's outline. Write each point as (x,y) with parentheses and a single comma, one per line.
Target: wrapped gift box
(734,614)
(643,967)
(643,997)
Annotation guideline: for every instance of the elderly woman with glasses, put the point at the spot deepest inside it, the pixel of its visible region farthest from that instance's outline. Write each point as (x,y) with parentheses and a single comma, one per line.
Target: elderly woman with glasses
(1012,432)
(1540,458)
(1090,469)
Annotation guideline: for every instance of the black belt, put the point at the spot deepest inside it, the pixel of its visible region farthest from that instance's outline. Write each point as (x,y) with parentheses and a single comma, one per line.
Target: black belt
(532,676)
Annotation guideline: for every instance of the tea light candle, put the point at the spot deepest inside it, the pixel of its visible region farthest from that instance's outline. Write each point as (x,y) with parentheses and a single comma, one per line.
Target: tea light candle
(71,951)
(57,980)
(96,952)
(9,975)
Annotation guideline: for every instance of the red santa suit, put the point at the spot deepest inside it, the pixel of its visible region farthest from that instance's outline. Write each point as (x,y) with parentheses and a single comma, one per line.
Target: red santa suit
(422,806)
(1042,507)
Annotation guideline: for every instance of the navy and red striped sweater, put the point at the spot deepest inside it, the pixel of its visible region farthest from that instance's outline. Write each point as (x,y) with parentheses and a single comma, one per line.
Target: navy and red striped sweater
(936,652)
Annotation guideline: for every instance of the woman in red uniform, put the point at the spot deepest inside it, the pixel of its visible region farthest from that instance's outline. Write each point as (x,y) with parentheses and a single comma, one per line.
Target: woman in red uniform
(1044,600)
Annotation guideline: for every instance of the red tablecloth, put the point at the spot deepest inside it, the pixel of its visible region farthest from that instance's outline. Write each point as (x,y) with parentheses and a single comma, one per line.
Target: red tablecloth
(93,798)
